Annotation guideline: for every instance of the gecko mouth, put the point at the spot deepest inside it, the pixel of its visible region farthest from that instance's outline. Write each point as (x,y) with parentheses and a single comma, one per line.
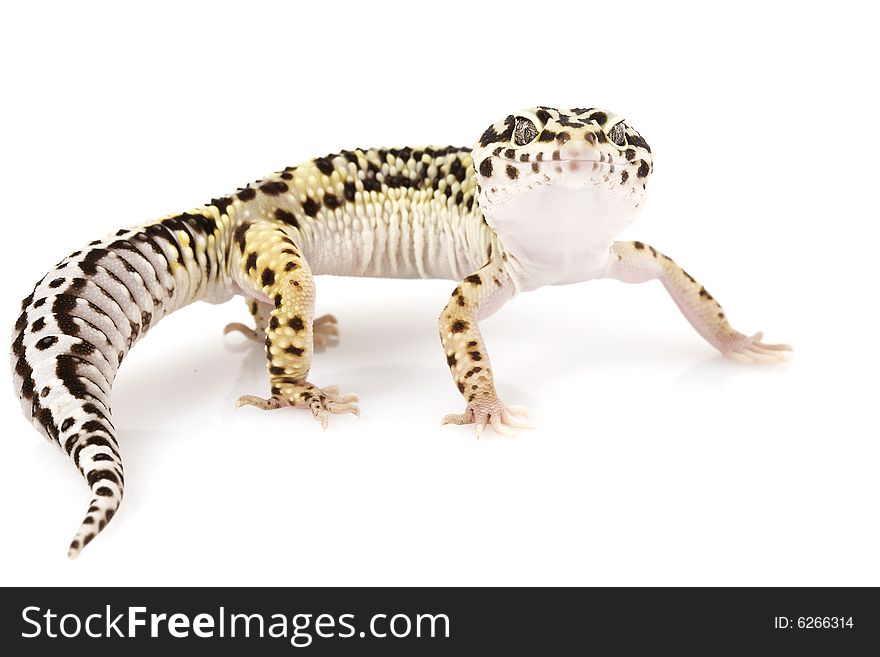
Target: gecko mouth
(569,163)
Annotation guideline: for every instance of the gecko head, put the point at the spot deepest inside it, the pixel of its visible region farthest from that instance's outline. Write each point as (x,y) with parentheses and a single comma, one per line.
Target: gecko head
(590,155)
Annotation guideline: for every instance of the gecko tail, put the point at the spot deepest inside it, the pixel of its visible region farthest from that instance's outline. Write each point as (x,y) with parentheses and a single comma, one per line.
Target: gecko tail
(81,320)
(106,497)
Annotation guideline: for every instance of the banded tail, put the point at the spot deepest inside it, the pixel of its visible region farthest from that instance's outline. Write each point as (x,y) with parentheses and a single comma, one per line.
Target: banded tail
(82,318)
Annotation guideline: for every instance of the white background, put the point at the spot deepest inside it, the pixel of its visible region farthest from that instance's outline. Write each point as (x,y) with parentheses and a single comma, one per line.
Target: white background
(655,461)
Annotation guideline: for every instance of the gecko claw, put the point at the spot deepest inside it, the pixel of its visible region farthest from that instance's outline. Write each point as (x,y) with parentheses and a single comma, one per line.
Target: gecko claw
(321,401)
(755,351)
(503,419)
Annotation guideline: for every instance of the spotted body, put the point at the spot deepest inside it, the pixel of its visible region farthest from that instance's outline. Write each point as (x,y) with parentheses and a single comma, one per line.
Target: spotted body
(537,201)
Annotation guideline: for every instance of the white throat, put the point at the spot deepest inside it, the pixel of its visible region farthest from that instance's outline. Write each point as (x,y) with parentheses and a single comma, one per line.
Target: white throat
(558,234)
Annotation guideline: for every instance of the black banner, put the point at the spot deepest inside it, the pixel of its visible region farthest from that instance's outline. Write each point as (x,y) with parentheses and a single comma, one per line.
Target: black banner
(416,621)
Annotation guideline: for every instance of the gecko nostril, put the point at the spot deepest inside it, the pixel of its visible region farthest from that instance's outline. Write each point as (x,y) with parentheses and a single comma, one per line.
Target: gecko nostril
(563,137)
(591,137)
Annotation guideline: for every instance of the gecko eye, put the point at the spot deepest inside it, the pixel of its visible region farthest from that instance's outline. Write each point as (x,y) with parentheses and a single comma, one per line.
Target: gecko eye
(524,131)
(617,134)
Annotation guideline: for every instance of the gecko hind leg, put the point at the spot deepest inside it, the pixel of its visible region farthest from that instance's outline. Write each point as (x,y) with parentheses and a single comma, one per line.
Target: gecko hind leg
(269,263)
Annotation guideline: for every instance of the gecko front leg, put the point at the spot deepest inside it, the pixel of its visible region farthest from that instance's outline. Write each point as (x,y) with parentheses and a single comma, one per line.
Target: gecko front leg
(477,297)
(636,262)
(274,271)
(325,329)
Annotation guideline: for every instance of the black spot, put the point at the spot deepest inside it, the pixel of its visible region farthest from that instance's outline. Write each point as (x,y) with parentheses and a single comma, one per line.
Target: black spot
(39,302)
(99,475)
(70,442)
(274,187)
(472,343)
(287,176)
(267,277)
(273,324)
(475,355)
(512,172)
(310,206)
(635,139)
(489,136)
(296,323)
(629,154)
(638,245)
(239,235)
(222,204)
(331,201)
(274,369)
(67,424)
(547,135)
(247,194)
(286,217)
(82,348)
(460,386)
(459,326)
(643,170)
(598,117)
(458,170)
(486,167)
(290,266)
(624,177)
(103,491)
(58,282)
(324,165)
(474,279)
(46,342)
(296,351)
(451,360)
(251,262)
(349,190)
(543,115)
(38,325)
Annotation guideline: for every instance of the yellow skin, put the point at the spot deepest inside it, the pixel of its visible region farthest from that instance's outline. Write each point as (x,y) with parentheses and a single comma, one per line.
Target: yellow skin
(537,201)
(559,150)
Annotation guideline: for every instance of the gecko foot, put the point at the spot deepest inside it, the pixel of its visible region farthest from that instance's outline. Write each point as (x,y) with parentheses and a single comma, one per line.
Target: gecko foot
(325,332)
(246,331)
(755,351)
(503,419)
(321,401)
